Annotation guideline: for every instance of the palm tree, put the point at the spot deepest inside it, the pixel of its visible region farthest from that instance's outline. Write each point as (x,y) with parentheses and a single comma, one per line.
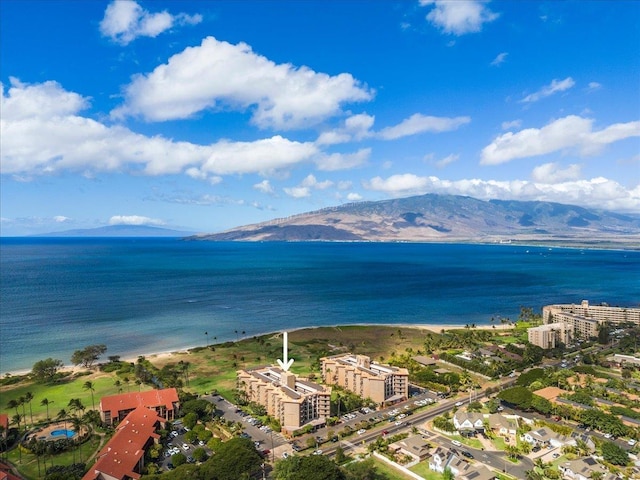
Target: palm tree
(76,405)
(118,384)
(76,423)
(13,403)
(16,419)
(88,385)
(46,402)
(28,397)
(533,475)
(62,415)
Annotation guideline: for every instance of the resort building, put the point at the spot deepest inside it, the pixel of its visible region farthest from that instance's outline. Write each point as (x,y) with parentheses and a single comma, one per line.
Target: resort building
(115,408)
(122,458)
(563,323)
(294,402)
(382,384)
(550,335)
(585,318)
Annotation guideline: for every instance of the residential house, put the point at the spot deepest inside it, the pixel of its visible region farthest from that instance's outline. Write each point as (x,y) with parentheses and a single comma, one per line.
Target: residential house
(122,458)
(479,473)
(443,459)
(468,421)
(425,361)
(544,436)
(582,468)
(503,425)
(114,408)
(415,446)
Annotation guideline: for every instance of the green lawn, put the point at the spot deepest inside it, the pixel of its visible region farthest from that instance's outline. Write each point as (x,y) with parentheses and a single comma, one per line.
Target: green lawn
(389,472)
(422,469)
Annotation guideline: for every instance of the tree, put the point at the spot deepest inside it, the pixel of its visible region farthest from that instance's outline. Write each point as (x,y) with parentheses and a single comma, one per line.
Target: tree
(45,402)
(178,459)
(88,355)
(448,474)
(234,459)
(45,370)
(200,455)
(88,385)
(28,397)
(190,420)
(13,404)
(311,467)
(612,453)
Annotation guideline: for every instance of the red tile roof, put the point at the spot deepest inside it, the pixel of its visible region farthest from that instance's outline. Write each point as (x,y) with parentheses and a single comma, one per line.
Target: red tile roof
(150,399)
(4,421)
(5,472)
(119,458)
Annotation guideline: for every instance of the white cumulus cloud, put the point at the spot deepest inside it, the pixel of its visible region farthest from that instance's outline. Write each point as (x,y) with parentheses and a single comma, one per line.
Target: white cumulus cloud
(418,123)
(459,17)
(219,74)
(553,173)
(342,161)
(356,127)
(134,220)
(511,124)
(308,184)
(264,187)
(554,87)
(61,219)
(571,132)
(596,193)
(42,132)
(126,20)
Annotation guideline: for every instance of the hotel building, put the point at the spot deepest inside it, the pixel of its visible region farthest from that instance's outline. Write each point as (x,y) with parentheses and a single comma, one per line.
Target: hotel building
(358,374)
(294,402)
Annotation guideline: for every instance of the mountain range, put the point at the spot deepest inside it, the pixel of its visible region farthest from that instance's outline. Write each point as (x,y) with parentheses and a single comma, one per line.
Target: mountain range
(120,231)
(446,218)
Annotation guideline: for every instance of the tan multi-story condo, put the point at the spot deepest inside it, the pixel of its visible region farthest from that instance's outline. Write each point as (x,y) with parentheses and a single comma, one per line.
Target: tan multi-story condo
(293,401)
(550,335)
(383,384)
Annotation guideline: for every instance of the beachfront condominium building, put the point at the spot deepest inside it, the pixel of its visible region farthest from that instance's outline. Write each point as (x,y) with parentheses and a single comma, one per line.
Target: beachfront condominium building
(164,402)
(383,384)
(293,401)
(550,335)
(585,319)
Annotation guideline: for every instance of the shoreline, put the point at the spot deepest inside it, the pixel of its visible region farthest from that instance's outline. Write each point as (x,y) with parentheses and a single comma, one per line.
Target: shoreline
(165,354)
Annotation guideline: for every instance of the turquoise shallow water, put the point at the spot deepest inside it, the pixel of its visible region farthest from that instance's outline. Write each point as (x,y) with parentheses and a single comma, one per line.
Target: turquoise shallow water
(148,295)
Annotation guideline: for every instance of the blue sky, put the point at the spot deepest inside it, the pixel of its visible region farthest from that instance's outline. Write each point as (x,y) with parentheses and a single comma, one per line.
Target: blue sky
(209,115)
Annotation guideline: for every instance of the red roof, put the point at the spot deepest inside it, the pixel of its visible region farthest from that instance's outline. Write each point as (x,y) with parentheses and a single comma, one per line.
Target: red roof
(4,421)
(5,472)
(128,401)
(121,455)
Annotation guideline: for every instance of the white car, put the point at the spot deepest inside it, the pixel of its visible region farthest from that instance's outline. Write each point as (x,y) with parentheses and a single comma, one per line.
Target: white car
(185,447)
(607,435)
(631,442)
(456,443)
(361,431)
(459,404)
(318,452)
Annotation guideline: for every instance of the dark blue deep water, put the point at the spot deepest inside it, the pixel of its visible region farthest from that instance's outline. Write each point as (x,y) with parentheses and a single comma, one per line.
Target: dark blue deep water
(149,295)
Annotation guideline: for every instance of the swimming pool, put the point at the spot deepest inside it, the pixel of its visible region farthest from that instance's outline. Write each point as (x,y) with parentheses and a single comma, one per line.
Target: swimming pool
(62,433)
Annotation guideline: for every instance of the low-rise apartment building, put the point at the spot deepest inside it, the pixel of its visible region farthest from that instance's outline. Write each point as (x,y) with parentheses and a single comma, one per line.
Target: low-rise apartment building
(122,458)
(383,384)
(114,408)
(293,401)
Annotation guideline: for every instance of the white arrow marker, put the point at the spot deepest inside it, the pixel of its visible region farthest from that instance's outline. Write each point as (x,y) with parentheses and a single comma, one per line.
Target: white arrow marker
(285,364)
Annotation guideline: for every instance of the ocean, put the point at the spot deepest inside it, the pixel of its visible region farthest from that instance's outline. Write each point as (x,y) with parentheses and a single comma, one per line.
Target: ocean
(145,295)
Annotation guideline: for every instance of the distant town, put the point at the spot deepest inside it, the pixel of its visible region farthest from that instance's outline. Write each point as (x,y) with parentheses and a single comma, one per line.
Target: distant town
(554,395)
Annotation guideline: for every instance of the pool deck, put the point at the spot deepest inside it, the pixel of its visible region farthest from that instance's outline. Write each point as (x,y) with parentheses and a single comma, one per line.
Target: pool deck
(45,433)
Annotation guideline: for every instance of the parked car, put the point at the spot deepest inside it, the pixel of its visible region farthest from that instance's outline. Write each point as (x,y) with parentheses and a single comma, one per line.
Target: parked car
(456,443)
(467,454)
